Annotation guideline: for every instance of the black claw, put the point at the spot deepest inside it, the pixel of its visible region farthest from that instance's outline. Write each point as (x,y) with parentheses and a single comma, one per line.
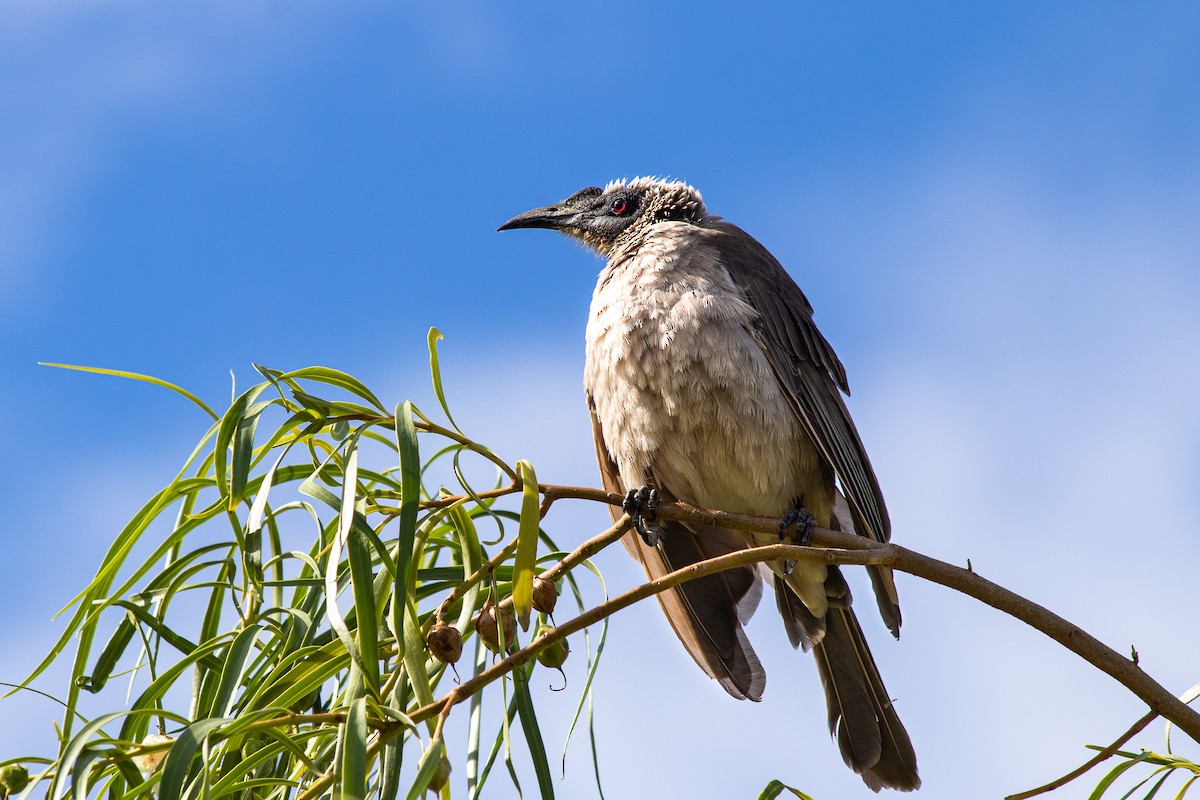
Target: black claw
(630,503)
(804,523)
(642,507)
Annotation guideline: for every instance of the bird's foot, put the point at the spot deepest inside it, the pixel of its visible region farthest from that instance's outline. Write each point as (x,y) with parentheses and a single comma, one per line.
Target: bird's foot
(802,520)
(642,507)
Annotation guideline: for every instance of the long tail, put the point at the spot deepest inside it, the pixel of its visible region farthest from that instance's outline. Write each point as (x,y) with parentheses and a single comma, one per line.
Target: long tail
(870,735)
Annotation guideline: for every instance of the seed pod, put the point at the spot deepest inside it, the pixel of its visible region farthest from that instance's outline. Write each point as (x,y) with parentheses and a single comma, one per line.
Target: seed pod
(13,778)
(545,595)
(485,626)
(554,655)
(445,642)
(440,776)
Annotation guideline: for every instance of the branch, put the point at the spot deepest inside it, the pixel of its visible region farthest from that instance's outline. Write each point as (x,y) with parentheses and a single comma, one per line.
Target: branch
(1075,639)
(1070,636)
(442,706)
(830,547)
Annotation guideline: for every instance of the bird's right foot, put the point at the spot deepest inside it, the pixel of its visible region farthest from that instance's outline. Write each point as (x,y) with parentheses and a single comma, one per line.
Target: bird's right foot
(642,507)
(799,517)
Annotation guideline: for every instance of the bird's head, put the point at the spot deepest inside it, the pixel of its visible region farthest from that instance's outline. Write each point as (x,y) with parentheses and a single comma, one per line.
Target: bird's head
(605,219)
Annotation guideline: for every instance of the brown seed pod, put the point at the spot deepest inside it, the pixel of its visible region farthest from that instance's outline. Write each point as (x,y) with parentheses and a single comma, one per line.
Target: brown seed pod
(485,626)
(545,595)
(445,642)
(554,655)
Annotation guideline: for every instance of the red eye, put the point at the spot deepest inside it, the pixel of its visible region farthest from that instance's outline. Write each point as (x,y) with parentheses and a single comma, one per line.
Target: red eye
(619,206)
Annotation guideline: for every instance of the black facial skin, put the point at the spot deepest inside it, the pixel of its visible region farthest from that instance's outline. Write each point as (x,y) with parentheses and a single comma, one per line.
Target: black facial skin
(596,217)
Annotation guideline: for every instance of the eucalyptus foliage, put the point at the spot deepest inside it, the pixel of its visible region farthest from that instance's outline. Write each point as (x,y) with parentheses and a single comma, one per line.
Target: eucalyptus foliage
(269,608)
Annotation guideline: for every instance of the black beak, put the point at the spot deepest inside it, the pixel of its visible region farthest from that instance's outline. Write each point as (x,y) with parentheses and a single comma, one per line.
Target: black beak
(555,218)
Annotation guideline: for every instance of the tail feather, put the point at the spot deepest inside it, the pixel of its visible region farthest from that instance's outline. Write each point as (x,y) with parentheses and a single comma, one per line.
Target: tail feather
(870,735)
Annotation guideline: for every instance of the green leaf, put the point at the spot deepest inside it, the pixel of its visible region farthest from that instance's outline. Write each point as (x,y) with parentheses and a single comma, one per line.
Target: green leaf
(428,765)
(362,575)
(332,377)
(73,750)
(414,658)
(1150,795)
(533,732)
(243,450)
(137,377)
(109,656)
(353,749)
(390,762)
(239,421)
(776,788)
(585,696)
(1187,697)
(81,775)
(1115,773)
(90,601)
(472,559)
(362,583)
(176,768)
(435,336)
(527,538)
(410,498)
(234,670)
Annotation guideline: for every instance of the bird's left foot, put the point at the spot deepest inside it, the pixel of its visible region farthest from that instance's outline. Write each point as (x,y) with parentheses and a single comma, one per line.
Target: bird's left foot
(642,507)
(802,520)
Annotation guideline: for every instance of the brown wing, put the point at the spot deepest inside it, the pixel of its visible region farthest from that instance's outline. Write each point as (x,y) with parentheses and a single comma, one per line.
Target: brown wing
(706,613)
(811,376)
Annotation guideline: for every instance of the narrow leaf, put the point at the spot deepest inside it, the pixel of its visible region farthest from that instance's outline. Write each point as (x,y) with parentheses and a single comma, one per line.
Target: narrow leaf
(527,538)
(1115,773)
(410,498)
(434,337)
(432,756)
(533,733)
(776,788)
(179,759)
(237,657)
(1187,697)
(353,751)
(362,579)
(137,377)
(72,752)
(334,377)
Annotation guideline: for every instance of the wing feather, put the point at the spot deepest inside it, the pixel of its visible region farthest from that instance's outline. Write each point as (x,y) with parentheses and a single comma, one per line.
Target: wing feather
(706,613)
(813,380)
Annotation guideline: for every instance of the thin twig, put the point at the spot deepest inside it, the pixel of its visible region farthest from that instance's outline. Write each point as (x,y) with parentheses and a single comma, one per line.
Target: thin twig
(475,577)
(581,553)
(1103,755)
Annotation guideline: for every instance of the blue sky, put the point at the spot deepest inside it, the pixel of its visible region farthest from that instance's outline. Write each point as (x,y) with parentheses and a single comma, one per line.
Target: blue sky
(993,210)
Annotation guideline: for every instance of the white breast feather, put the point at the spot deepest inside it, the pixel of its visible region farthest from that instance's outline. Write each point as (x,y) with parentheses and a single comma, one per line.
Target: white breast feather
(679,387)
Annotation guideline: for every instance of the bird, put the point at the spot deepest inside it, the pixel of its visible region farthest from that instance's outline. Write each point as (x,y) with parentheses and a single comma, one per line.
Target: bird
(708,382)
